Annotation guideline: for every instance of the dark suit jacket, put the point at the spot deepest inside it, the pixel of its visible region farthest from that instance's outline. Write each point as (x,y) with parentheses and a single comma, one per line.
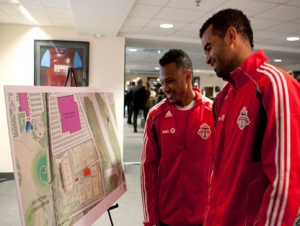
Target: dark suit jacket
(139,97)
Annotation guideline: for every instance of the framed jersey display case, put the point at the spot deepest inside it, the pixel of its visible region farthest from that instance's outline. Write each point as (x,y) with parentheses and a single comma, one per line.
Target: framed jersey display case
(58,63)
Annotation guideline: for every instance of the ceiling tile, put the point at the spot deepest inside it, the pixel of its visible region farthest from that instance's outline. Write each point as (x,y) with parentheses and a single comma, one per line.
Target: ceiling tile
(187,34)
(296,21)
(45,21)
(37,11)
(204,18)
(136,22)
(267,34)
(153,2)
(130,30)
(58,12)
(160,32)
(250,8)
(274,1)
(262,24)
(281,13)
(204,6)
(287,28)
(178,15)
(293,3)
(56,3)
(63,22)
(192,27)
(9,9)
(29,2)
(144,11)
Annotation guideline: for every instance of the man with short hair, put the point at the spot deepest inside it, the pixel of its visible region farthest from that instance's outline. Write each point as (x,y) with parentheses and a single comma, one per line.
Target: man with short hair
(177,143)
(139,99)
(255,178)
(128,101)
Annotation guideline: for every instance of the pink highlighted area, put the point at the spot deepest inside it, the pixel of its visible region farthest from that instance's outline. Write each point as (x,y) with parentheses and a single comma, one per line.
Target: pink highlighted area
(69,112)
(24,103)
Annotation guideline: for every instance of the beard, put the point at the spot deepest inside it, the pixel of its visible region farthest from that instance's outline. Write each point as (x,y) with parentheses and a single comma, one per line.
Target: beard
(223,75)
(224,68)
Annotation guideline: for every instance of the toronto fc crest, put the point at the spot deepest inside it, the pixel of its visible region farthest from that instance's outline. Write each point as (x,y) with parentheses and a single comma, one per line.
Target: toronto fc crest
(204,131)
(243,119)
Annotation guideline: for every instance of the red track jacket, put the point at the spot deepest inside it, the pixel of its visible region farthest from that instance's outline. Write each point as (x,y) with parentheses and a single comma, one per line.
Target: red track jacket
(256,160)
(174,164)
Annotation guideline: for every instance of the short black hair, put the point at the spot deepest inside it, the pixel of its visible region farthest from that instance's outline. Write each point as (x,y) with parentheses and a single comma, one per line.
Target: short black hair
(226,18)
(177,56)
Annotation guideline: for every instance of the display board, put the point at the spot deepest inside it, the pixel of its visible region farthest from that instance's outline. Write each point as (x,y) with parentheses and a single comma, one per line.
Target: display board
(66,154)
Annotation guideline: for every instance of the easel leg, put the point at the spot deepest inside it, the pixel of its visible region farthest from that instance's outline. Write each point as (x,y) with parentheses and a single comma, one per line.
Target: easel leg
(108,211)
(67,78)
(71,73)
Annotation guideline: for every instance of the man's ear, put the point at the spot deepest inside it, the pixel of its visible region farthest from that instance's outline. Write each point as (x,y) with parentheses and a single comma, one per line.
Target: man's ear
(189,75)
(231,34)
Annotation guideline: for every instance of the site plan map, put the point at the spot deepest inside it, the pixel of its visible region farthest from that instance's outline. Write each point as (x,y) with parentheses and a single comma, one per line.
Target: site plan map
(66,154)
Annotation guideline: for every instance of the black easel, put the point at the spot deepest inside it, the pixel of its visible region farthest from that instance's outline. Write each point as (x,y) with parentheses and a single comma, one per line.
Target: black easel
(71,74)
(108,211)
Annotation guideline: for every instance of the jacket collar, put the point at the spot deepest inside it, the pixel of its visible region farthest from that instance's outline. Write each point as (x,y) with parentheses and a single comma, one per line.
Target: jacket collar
(249,66)
(198,98)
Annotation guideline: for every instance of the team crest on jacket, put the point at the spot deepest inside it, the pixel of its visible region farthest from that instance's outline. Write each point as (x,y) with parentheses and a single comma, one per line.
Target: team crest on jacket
(204,131)
(243,120)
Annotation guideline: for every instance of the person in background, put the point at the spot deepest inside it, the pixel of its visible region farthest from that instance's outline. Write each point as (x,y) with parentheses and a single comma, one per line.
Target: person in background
(138,101)
(175,153)
(298,78)
(148,91)
(128,101)
(255,178)
(126,89)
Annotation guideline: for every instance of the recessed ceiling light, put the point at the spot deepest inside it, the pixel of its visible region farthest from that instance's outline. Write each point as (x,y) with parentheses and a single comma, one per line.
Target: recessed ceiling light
(277,60)
(166,25)
(156,68)
(132,50)
(292,39)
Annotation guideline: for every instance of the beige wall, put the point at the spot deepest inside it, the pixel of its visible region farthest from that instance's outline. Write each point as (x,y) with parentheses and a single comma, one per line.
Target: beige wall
(106,69)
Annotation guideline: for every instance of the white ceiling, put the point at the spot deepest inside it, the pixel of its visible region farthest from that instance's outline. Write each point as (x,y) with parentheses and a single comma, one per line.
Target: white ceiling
(138,21)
